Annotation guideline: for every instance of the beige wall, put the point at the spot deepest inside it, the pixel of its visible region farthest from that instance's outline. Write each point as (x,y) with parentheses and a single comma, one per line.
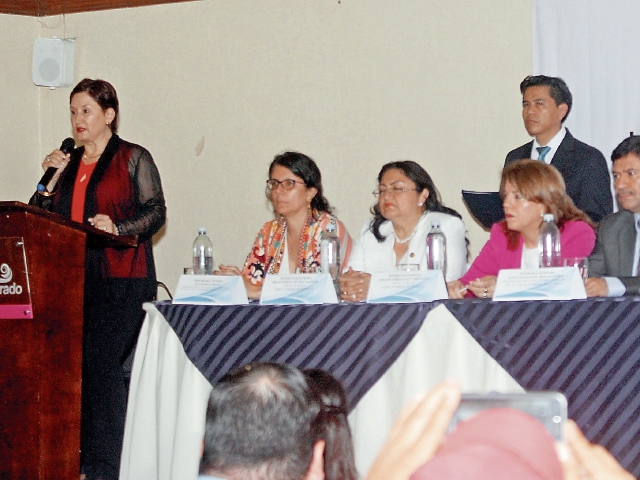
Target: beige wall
(353,84)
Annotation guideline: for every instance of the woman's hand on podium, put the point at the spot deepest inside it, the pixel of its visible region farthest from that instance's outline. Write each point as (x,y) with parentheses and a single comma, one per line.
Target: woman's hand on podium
(103,222)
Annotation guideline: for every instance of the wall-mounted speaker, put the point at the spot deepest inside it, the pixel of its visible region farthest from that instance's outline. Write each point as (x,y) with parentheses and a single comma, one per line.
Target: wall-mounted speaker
(53,62)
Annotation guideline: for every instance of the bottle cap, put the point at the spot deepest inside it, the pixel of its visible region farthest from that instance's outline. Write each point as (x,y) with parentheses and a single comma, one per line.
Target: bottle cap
(435,224)
(202,231)
(547,217)
(331,228)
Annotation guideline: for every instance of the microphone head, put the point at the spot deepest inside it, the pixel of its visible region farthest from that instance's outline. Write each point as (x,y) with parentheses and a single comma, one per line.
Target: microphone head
(68,145)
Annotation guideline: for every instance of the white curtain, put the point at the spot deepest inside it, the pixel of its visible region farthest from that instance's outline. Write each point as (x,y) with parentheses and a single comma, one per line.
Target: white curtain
(594,45)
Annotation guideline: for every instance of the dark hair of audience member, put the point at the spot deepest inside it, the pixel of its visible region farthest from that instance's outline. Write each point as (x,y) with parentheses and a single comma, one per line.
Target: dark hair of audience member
(104,95)
(558,89)
(305,168)
(630,145)
(541,183)
(332,426)
(259,424)
(422,179)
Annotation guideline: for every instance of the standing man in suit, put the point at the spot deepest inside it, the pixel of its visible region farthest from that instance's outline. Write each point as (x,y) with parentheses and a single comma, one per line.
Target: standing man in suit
(546,102)
(615,257)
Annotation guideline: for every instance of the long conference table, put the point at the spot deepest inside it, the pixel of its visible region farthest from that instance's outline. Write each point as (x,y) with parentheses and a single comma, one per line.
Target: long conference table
(384,354)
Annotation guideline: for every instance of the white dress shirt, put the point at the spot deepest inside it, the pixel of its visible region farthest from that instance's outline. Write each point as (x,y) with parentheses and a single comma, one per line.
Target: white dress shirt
(553,145)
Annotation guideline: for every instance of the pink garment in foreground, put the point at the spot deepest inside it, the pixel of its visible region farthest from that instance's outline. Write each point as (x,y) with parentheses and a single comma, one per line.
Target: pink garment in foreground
(496,444)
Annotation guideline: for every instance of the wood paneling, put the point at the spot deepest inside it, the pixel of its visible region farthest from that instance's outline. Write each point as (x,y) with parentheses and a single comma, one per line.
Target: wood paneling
(41,358)
(41,8)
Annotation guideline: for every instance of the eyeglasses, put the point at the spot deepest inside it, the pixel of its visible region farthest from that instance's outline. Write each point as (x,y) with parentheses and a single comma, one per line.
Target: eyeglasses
(287,184)
(393,191)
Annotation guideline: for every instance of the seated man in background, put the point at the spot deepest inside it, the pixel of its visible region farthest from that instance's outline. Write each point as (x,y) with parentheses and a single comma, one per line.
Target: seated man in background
(615,257)
(260,426)
(546,103)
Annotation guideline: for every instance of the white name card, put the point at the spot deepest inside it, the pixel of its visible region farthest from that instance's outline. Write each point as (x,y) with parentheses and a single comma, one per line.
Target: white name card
(557,283)
(210,290)
(304,288)
(407,287)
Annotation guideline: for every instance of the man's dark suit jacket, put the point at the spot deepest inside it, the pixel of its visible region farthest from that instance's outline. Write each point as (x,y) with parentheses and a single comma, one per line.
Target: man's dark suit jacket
(613,255)
(585,174)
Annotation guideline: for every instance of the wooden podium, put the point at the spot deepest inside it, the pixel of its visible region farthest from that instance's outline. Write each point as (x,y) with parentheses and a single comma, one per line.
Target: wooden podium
(42,259)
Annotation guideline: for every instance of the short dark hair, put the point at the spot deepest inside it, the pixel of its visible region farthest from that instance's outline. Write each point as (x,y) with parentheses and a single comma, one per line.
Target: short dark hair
(422,179)
(259,424)
(104,95)
(332,425)
(628,145)
(304,167)
(558,89)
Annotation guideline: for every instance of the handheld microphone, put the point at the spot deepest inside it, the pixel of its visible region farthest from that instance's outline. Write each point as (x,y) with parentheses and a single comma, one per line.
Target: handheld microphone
(67,146)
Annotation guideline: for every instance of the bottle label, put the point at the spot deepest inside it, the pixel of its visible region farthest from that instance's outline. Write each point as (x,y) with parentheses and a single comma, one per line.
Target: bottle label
(330,257)
(203,265)
(436,251)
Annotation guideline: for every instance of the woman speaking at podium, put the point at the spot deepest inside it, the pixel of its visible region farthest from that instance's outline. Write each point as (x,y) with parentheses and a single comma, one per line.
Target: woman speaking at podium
(113,185)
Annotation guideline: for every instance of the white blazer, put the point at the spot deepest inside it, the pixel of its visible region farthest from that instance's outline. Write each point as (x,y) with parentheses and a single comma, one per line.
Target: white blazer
(370,256)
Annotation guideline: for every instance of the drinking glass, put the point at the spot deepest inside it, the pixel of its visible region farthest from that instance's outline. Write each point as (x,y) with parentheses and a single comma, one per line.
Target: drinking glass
(581,263)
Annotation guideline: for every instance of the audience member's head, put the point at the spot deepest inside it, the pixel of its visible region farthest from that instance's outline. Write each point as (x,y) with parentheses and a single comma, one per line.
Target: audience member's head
(332,426)
(498,443)
(259,426)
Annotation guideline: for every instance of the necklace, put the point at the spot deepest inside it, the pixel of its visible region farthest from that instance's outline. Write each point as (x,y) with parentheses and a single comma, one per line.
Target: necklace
(91,158)
(304,242)
(413,234)
(303,247)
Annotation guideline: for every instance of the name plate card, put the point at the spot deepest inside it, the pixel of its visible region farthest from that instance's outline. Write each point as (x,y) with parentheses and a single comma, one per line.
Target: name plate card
(294,289)
(407,287)
(210,290)
(556,283)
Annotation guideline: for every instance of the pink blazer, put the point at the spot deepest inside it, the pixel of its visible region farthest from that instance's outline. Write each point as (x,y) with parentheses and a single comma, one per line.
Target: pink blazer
(576,237)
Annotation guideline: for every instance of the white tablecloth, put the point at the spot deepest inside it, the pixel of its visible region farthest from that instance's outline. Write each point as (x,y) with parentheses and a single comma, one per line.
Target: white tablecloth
(168,395)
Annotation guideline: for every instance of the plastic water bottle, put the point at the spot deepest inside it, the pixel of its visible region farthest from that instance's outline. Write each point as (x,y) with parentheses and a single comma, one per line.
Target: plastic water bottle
(202,254)
(330,255)
(436,249)
(549,252)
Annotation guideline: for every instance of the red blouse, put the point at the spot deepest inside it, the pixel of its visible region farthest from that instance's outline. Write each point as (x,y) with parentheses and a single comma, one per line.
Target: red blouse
(80,190)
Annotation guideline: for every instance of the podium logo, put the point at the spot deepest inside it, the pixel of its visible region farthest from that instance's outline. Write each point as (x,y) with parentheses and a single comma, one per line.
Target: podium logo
(5,273)
(5,277)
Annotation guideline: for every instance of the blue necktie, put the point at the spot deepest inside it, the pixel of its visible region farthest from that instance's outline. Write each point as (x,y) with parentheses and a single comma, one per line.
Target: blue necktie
(542,152)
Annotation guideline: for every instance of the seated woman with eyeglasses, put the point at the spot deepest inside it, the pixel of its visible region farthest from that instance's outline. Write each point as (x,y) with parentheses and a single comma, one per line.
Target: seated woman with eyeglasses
(290,243)
(408,204)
